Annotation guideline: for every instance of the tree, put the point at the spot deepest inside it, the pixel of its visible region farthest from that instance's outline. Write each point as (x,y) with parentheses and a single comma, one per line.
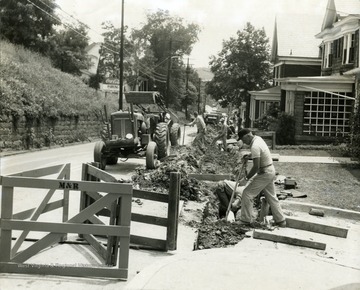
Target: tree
(242,66)
(68,53)
(28,24)
(168,38)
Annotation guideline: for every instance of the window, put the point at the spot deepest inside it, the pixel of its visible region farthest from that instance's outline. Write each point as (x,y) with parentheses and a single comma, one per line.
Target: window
(348,49)
(326,114)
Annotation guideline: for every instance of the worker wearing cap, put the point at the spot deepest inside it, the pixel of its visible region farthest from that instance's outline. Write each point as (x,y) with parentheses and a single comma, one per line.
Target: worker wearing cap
(260,178)
(222,134)
(201,130)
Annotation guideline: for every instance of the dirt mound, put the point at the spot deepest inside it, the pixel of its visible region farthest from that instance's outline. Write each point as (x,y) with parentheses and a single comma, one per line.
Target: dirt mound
(212,232)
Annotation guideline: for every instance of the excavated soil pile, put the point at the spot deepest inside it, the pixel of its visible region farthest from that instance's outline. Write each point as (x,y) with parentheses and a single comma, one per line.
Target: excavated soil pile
(213,233)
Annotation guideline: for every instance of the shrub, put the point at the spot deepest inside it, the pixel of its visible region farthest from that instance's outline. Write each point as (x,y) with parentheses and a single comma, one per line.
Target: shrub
(285,133)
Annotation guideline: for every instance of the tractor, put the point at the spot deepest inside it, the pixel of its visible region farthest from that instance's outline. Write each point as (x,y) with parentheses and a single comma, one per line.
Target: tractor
(147,129)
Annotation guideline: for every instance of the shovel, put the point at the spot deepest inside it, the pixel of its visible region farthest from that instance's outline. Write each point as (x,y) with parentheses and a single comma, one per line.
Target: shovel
(229,214)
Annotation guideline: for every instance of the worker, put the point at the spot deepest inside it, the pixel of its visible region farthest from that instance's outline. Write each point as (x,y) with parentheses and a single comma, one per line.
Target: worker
(199,140)
(222,134)
(260,178)
(223,191)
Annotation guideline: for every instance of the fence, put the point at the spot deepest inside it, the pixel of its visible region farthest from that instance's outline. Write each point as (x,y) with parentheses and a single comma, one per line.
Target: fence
(12,260)
(91,172)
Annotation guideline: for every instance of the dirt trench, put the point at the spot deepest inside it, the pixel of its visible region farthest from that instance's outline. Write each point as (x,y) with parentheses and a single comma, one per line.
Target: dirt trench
(212,231)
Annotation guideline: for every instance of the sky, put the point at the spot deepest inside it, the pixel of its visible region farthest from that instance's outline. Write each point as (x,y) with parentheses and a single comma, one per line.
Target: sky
(219,19)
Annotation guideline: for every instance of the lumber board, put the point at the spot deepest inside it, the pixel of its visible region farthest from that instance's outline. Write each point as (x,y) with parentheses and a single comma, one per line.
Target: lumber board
(210,177)
(157,244)
(264,235)
(149,219)
(64,270)
(316,227)
(150,195)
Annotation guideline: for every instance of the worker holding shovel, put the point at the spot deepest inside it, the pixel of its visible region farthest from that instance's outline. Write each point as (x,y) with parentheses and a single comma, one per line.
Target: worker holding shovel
(201,130)
(260,178)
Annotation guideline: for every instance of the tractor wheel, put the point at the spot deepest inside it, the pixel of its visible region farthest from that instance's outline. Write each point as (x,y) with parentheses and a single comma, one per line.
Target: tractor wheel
(112,160)
(175,134)
(99,155)
(161,139)
(151,155)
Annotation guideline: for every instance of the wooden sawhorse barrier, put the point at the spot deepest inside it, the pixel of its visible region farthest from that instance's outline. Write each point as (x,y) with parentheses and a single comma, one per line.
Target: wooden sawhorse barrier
(91,172)
(12,260)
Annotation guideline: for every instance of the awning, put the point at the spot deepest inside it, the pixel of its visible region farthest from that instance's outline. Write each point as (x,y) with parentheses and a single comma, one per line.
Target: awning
(324,91)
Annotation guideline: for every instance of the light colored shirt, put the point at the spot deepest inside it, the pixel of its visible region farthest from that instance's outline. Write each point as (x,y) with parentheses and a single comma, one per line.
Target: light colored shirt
(200,123)
(259,149)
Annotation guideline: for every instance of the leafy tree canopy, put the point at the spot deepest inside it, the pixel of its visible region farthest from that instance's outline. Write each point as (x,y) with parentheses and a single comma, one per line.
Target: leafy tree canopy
(28,24)
(68,53)
(241,66)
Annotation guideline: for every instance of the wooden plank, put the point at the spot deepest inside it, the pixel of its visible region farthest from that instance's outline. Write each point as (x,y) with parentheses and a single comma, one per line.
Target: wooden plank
(173,211)
(124,219)
(7,196)
(118,188)
(49,207)
(210,177)
(100,174)
(264,235)
(149,219)
(156,244)
(96,245)
(113,230)
(34,217)
(52,238)
(64,270)
(44,171)
(150,195)
(316,227)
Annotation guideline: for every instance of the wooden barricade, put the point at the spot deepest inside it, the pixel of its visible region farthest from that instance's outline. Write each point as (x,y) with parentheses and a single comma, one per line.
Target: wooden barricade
(91,172)
(12,260)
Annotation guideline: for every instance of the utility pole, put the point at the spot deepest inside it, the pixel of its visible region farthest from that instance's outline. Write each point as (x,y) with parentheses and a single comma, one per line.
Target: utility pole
(199,96)
(187,88)
(167,97)
(121,82)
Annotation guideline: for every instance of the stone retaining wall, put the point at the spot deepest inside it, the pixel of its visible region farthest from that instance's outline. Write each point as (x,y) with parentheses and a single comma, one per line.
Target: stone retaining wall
(22,133)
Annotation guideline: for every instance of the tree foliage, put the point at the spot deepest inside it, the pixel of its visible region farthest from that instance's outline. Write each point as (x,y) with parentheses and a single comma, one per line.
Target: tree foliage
(69,46)
(26,24)
(165,36)
(241,66)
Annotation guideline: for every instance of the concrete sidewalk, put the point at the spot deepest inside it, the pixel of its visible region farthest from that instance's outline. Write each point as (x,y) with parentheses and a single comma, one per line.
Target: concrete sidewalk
(316,159)
(260,264)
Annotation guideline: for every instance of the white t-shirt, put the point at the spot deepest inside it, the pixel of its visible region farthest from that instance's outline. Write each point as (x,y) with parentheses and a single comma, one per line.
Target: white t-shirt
(259,149)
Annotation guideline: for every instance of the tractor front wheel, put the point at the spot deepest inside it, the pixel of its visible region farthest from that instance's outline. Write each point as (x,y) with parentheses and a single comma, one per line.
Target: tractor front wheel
(151,155)
(99,155)
(175,134)
(161,138)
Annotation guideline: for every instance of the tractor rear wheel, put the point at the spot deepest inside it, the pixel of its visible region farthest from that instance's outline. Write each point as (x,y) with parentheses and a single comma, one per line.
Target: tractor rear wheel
(161,139)
(151,155)
(99,155)
(175,134)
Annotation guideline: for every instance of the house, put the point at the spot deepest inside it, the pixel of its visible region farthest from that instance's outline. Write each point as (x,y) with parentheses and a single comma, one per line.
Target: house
(323,105)
(93,53)
(291,56)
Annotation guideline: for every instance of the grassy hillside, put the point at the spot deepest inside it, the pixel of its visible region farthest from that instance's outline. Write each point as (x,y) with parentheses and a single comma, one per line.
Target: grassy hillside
(31,87)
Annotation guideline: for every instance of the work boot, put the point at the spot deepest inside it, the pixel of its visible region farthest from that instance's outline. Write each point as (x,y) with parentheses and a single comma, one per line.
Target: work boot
(281,224)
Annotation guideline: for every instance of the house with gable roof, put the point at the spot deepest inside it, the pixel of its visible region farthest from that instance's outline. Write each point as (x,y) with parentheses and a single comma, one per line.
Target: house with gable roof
(291,55)
(323,104)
